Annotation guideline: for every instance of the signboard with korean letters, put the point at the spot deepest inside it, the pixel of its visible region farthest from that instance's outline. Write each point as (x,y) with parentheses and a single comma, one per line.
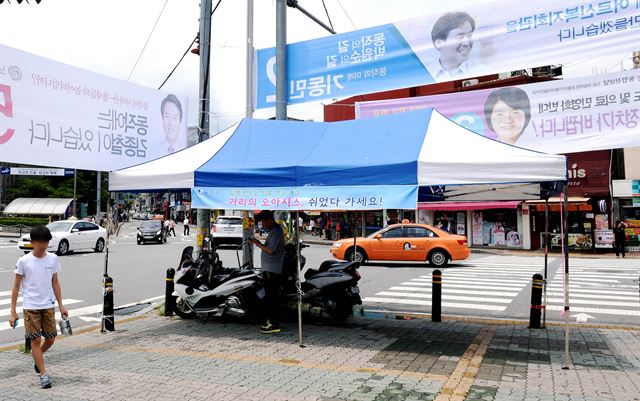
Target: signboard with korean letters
(53,114)
(458,44)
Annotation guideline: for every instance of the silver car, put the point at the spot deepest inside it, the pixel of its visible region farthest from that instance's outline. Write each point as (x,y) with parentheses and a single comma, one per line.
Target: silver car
(227,230)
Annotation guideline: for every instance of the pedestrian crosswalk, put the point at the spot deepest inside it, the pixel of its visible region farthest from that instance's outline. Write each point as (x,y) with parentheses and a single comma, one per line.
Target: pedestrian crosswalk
(476,286)
(596,287)
(611,290)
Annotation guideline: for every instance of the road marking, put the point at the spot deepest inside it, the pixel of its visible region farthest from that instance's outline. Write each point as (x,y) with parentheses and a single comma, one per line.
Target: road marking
(144,301)
(427,303)
(449,297)
(592,302)
(7,312)
(469,292)
(595,293)
(596,310)
(588,280)
(8,301)
(469,284)
(474,280)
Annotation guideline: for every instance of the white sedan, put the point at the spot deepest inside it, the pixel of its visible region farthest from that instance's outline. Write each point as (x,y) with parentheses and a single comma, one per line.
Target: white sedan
(70,235)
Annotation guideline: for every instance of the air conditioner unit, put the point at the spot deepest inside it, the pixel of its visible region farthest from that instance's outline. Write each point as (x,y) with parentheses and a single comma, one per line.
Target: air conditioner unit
(469,82)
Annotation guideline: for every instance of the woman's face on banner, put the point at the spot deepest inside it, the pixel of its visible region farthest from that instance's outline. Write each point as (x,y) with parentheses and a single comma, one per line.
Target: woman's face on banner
(507,122)
(171,122)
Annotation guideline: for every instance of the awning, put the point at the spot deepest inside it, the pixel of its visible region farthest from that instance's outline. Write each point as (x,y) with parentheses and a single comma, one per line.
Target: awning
(38,206)
(557,199)
(468,205)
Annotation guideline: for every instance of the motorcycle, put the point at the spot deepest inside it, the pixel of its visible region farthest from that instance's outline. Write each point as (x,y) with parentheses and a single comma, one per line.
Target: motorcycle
(203,286)
(333,287)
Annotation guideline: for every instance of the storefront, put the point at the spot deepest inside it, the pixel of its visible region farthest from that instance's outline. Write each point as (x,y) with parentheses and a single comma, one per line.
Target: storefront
(589,214)
(486,224)
(626,194)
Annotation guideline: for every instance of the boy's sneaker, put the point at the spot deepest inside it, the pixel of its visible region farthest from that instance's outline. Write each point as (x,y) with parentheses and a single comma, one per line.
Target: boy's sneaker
(265,326)
(45,381)
(270,329)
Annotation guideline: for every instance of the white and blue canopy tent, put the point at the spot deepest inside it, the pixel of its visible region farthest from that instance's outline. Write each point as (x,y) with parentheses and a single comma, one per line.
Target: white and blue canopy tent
(380,163)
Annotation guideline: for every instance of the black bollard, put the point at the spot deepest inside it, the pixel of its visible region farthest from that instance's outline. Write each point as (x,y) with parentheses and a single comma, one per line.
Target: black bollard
(536,301)
(436,296)
(169,301)
(108,320)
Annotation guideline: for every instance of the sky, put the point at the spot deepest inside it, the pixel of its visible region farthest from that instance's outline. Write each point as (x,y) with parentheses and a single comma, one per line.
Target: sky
(107,37)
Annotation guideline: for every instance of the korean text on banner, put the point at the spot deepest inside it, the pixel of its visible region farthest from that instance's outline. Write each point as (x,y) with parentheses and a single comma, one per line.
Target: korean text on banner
(558,116)
(304,198)
(459,44)
(53,114)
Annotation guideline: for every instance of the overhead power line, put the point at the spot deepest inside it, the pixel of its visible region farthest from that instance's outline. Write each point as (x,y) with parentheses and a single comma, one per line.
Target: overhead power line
(347,14)
(148,38)
(186,51)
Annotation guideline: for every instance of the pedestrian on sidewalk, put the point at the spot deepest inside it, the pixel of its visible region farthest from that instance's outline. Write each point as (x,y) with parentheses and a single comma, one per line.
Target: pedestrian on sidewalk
(271,261)
(619,237)
(37,273)
(172,227)
(186,226)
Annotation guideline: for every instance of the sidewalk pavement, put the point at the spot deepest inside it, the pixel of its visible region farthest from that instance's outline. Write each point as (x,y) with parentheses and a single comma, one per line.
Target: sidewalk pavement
(156,358)
(310,239)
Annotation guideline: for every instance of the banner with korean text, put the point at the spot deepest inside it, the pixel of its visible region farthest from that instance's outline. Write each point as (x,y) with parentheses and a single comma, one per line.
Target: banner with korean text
(53,114)
(559,116)
(463,43)
(373,197)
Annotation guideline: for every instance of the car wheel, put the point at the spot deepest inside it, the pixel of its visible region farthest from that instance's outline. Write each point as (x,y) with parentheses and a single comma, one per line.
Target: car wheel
(360,255)
(63,247)
(438,258)
(27,252)
(139,241)
(99,245)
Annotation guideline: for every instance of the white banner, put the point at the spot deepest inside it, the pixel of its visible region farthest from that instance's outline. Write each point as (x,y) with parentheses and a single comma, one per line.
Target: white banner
(53,114)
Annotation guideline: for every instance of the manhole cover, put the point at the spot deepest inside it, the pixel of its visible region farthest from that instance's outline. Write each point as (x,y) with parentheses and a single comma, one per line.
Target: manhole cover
(131,309)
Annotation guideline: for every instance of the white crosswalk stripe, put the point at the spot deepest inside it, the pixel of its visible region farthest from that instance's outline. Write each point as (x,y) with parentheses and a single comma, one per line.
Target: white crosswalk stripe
(473,286)
(597,289)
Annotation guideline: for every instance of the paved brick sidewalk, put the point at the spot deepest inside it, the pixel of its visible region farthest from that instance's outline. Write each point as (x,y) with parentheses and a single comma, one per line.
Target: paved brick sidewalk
(155,358)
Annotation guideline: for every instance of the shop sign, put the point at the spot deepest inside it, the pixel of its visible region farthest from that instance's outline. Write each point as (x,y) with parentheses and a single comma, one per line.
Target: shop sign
(588,173)
(604,238)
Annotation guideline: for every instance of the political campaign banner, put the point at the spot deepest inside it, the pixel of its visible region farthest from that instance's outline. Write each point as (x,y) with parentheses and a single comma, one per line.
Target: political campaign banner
(462,43)
(558,116)
(54,114)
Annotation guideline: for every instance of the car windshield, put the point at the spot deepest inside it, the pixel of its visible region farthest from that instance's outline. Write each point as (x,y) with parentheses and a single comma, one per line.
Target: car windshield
(151,224)
(59,226)
(228,220)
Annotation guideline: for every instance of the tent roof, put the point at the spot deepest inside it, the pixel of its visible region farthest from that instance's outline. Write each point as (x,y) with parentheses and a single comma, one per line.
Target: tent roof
(38,206)
(407,150)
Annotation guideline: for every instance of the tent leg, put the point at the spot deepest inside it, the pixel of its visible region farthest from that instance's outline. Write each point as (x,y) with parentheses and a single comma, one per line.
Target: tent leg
(565,247)
(546,260)
(298,283)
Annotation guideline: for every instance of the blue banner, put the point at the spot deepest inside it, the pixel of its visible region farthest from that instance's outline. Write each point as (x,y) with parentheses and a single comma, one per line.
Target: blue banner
(306,198)
(459,44)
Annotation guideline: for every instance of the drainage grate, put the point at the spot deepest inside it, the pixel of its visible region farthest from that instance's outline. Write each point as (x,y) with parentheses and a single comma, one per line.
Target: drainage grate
(131,309)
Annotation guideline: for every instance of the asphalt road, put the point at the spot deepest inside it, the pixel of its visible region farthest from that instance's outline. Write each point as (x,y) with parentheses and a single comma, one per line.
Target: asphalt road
(602,290)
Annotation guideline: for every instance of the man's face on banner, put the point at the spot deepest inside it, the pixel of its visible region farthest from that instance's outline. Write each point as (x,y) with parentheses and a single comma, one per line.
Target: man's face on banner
(171,122)
(455,49)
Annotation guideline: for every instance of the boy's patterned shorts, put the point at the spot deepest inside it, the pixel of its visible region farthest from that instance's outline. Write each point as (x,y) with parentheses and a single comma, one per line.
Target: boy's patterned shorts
(40,322)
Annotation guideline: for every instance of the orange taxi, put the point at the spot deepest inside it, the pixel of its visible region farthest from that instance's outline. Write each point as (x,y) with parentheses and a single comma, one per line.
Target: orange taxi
(405,242)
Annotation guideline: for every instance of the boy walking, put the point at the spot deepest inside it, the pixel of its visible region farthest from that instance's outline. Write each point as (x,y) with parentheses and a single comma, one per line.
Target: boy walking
(37,272)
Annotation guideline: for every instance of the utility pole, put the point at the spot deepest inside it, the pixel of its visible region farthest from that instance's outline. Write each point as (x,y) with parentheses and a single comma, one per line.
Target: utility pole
(75,182)
(99,192)
(281,60)
(204,215)
(247,216)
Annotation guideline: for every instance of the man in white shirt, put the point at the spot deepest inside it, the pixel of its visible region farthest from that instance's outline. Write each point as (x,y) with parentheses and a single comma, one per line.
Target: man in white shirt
(37,273)
(452,36)
(186,226)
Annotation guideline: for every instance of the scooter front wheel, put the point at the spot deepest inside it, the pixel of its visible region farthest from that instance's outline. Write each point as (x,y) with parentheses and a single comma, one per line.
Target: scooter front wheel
(181,309)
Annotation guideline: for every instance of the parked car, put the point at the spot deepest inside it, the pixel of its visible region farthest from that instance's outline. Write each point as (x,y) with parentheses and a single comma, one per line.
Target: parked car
(70,235)
(227,230)
(405,242)
(151,230)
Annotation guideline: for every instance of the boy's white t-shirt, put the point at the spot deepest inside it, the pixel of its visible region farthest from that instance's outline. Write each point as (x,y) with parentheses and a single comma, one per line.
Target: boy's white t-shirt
(37,273)
(186,222)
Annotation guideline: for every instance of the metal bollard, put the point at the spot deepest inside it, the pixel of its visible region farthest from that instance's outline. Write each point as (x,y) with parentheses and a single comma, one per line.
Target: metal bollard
(536,301)
(436,296)
(108,320)
(169,301)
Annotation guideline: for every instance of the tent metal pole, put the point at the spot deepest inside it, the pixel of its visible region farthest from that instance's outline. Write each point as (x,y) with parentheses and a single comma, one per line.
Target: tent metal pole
(298,282)
(566,276)
(546,259)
